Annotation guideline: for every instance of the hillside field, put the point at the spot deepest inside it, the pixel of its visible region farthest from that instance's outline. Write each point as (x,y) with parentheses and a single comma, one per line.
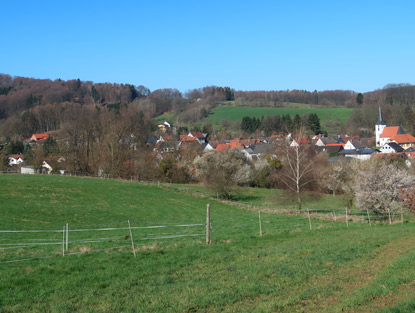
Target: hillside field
(236,113)
(330,268)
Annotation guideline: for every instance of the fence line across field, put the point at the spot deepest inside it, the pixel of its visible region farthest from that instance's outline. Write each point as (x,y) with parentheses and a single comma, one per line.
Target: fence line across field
(247,224)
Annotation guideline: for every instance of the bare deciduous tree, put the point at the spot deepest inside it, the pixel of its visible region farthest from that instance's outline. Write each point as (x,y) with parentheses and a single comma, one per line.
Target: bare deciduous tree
(297,168)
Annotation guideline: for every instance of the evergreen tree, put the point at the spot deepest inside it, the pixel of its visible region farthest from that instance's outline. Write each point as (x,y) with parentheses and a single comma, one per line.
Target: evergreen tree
(287,122)
(297,122)
(246,124)
(314,123)
(359,99)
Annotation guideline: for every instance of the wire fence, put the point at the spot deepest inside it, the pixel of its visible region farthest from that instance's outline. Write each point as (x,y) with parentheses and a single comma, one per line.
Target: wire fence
(21,245)
(33,244)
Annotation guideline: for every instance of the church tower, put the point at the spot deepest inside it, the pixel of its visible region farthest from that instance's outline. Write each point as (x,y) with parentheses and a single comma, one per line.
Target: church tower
(380,125)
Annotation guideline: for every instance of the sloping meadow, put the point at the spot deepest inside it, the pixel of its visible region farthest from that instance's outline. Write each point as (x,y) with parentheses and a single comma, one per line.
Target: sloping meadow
(89,265)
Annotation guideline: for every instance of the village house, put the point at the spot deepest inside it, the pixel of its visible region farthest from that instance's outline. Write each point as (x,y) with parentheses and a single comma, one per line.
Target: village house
(360,154)
(359,143)
(410,153)
(164,126)
(193,136)
(298,142)
(388,133)
(404,140)
(39,137)
(391,147)
(15,159)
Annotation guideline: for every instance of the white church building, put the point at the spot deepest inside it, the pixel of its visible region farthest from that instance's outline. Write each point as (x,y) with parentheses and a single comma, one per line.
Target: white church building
(384,133)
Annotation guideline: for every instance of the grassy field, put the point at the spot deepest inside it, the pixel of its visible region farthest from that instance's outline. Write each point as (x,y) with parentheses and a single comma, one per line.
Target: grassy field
(273,199)
(236,113)
(328,269)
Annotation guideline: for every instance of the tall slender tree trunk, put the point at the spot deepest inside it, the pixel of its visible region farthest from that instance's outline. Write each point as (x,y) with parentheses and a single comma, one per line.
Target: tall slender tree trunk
(299,200)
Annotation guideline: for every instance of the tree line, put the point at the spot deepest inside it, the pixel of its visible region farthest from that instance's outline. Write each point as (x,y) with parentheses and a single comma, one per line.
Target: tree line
(281,124)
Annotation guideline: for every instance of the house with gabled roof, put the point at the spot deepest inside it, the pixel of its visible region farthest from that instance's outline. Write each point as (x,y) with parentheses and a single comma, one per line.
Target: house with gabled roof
(196,135)
(410,152)
(299,141)
(15,159)
(260,150)
(404,140)
(389,132)
(207,147)
(391,147)
(39,137)
(358,143)
(330,150)
(222,146)
(360,154)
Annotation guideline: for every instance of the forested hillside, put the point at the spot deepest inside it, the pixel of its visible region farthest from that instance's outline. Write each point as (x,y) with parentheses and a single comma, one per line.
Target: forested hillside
(29,105)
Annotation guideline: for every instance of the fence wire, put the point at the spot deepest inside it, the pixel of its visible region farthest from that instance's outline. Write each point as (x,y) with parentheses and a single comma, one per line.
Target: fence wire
(38,244)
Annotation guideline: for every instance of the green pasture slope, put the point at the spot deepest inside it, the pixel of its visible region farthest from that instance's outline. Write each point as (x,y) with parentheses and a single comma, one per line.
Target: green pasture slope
(236,113)
(328,269)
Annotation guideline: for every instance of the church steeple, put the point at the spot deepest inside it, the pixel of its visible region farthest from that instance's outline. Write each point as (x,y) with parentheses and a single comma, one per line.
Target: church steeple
(380,122)
(380,125)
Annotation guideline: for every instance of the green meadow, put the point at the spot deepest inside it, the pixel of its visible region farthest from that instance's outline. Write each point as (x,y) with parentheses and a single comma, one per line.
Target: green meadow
(330,268)
(328,116)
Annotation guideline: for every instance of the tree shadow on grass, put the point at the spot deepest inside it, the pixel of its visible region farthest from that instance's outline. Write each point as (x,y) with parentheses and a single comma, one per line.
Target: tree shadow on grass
(244,198)
(288,198)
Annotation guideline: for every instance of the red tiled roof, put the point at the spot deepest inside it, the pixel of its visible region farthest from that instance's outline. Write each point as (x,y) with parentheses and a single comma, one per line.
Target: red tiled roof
(335,144)
(197,134)
(390,131)
(235,143)
(38,137)
(301,140)
(405,138)
(222,146)
(185,138)
(16,156)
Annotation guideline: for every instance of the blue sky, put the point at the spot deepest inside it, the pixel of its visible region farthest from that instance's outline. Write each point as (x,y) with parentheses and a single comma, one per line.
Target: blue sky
(247,45)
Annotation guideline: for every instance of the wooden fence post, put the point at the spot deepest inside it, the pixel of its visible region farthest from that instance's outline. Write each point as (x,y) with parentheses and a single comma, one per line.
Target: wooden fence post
(131,235)
(63,241)
(402,215)
(309,218)
(67,236)
(368,216)
(260,223)
(208,224)
(347,219)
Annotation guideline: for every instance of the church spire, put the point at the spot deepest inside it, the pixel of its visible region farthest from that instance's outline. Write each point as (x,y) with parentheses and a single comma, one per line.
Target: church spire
(380,122)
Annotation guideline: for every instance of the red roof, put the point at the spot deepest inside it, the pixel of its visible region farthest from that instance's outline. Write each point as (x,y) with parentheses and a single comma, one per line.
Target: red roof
(16,156)
(405,138)
(167,137)
(222,146)
(38,137)
(235,143)
(301,141)
(197,134)
(185,138)
(390,131)
(335,144)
